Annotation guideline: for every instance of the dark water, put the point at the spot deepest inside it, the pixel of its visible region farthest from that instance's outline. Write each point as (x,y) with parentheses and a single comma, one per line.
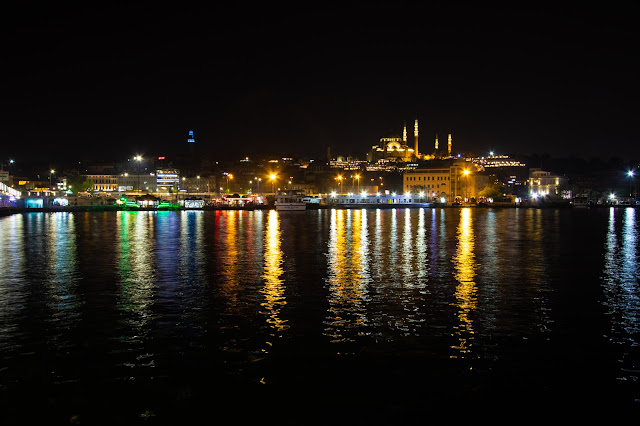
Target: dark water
(323,317)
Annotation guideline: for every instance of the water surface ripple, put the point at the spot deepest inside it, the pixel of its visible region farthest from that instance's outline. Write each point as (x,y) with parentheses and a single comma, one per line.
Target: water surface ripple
(132,316)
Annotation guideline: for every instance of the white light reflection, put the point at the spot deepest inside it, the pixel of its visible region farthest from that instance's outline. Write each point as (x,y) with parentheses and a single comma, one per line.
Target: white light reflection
(13,265)
(407,250)
(422,260)
(621,289)
(62,271)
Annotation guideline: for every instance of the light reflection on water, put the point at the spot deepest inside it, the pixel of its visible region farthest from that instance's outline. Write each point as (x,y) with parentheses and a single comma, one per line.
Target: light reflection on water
(12,278)
(347,277)
(229,256)
(141,294)
(621,288)
(465,272)
(274,286)
(136,271)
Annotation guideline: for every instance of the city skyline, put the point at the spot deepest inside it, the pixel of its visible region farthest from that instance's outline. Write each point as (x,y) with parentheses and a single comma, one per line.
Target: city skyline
(104,81)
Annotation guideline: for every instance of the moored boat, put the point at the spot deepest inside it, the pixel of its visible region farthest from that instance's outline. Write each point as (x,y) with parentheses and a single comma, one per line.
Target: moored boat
(290,201)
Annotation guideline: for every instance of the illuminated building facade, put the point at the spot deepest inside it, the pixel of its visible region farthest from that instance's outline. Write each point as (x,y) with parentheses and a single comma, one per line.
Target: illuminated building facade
(198,184)
(145,182)
(435,182)
(494,161)
(104,183)
(542,183)
(347,163)
(396,149)
(393,148)
(167,180)
(8,195)
(455,182)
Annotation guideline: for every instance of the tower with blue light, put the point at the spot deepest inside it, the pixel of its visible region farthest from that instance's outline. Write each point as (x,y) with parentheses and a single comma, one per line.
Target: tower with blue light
(191,143)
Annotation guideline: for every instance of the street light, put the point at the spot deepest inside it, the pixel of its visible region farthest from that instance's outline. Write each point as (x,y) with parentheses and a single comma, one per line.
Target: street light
(630,174)
(2,164)
(465,173)
(138,158)
(358,179)
(272,176)
(339,178)
(51,178)
(229,176)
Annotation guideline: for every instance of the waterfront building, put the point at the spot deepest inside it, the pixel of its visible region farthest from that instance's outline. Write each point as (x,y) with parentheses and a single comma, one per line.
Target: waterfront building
(8,195)
(307,188)
(543,183)
(143,182)
(167,180)
(449,182)
(198,184)
(103,182)
(435,182)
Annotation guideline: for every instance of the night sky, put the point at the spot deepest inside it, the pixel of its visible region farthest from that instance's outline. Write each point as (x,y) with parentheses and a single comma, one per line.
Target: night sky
(105,82)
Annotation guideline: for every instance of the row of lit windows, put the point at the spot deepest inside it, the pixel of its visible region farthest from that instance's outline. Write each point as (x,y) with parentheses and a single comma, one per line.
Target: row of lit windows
(426,178)
(428,186)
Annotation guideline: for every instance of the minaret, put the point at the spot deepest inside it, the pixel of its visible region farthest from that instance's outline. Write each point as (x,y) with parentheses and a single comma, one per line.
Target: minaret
(449,145)
(404,134)
(436,142)
(415,133)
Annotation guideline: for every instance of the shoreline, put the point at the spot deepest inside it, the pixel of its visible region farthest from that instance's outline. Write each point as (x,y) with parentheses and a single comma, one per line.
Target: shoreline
(6,211)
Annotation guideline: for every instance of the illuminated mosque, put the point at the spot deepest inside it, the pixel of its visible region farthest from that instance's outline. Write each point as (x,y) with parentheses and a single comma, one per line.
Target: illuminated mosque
(395,148)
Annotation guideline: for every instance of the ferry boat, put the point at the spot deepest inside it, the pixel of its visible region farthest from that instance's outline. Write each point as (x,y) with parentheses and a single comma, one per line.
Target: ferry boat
(290,201)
